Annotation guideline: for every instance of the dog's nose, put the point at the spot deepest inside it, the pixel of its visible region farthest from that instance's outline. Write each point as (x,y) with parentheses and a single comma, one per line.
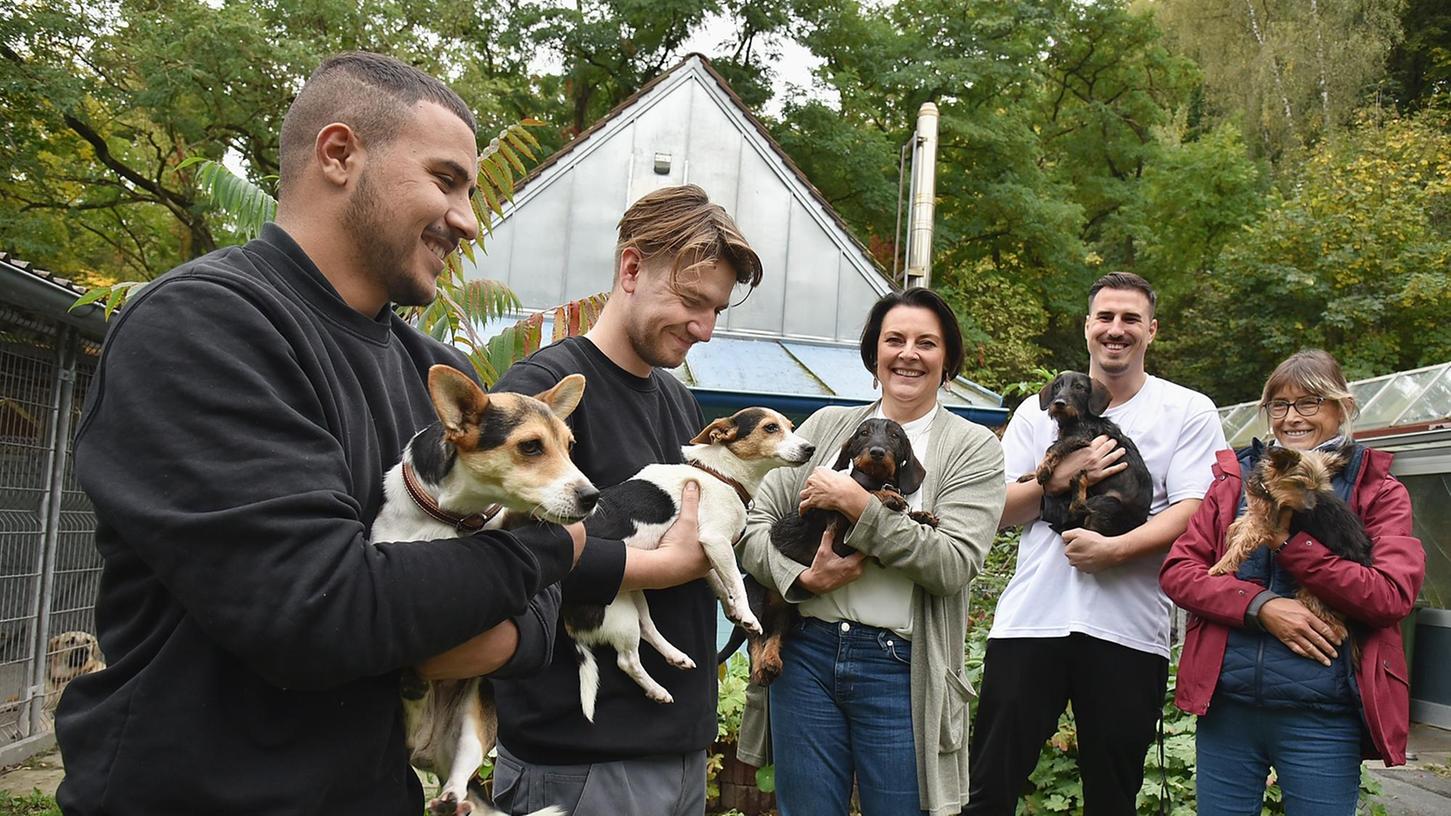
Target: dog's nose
(587,496)
(808,450)
(1060,402)
(876,453)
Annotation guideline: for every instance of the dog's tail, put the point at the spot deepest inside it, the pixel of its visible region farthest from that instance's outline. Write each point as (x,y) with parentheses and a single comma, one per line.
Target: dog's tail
(738,636)
(589,679)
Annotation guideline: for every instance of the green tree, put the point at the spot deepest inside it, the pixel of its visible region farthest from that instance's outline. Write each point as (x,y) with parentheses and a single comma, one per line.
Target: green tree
(1353,260)
(1288,72)
(1419,67)
(102,103)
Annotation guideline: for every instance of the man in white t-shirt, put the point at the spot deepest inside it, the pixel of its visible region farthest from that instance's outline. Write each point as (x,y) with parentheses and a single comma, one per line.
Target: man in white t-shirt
(1083,620)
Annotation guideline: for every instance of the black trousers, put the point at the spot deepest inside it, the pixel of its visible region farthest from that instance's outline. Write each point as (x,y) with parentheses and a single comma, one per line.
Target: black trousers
(1117,694)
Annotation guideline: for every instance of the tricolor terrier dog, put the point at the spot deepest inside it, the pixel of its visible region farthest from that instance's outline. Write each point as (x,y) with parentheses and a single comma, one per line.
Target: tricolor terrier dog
(487,453)
(728,459)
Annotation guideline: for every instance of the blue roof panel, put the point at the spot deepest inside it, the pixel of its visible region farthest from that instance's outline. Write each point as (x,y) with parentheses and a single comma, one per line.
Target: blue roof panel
(839,368)
(728,364)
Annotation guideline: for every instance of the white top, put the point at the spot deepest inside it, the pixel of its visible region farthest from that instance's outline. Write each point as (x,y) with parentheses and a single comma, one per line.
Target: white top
(882,596)
(1177,432)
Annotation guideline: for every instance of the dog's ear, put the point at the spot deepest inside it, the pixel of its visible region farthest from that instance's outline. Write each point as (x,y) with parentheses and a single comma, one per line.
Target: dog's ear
(1282,458)
(564,397)
(721,430)
(1098,397)
(458,400)
(845,458)
(1046,395)
(910,473)
(1337,458)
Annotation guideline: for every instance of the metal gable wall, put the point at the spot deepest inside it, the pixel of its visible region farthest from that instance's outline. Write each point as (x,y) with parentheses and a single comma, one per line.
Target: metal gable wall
(556,242)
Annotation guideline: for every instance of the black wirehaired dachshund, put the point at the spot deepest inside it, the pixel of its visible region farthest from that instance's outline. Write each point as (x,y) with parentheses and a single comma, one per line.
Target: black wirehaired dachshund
(1113,506)
(884,465)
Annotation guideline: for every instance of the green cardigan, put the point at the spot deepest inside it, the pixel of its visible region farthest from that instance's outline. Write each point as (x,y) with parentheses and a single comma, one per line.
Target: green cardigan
(965,489)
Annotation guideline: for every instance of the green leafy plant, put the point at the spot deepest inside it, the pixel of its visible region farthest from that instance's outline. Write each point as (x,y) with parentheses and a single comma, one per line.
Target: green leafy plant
(730,706)
(34,803)
(1032,384)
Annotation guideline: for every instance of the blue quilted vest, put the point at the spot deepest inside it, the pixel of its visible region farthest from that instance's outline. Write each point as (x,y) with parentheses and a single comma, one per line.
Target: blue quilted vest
(1260,670)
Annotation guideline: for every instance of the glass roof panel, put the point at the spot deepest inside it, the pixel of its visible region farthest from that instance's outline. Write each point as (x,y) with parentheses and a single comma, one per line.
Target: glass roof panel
(1365,390)
(762,366)
(839,368)
(1235,416)
(1434,402)
(1394,398)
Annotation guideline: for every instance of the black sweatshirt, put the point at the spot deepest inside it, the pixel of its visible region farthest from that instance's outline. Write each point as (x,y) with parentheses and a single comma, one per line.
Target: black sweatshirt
(623,423)
(233,443)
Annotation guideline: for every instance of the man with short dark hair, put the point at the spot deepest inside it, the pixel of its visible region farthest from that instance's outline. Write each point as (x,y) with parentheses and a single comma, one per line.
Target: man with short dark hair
(1083,621)
(678,259)
(234,441)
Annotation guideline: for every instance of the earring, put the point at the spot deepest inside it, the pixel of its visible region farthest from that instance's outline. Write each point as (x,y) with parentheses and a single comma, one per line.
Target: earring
(875,384)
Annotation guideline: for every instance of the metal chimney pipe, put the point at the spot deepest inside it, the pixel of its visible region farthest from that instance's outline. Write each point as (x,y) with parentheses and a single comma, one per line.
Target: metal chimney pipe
(924,192)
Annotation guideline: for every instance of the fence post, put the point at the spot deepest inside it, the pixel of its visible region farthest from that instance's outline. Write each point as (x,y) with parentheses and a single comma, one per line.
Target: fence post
(62,397)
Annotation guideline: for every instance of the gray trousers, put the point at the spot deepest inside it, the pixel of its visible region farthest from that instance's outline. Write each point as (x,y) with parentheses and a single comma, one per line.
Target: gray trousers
(665,785)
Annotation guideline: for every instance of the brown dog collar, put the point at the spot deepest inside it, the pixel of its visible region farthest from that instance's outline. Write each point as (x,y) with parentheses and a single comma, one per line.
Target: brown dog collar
(468,524)
(741,492)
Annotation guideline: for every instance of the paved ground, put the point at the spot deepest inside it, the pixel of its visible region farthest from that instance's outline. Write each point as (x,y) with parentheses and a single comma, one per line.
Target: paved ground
(42,773)
(1421,787)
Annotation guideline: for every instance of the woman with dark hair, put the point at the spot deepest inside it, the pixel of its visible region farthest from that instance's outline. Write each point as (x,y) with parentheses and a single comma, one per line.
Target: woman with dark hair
(872,684)
(1275,686)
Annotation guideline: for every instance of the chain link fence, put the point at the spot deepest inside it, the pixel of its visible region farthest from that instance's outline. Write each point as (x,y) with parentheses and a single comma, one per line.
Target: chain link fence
(49,566)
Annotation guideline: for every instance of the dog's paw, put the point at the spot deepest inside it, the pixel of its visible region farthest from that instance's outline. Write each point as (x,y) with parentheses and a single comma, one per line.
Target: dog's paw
(680,661)
(742,616)
(892,500)
(765,673)
(924,517)
(448,804)
(660,695)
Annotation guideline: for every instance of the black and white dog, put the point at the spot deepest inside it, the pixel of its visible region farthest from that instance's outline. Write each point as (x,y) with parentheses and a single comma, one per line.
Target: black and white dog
(728,459)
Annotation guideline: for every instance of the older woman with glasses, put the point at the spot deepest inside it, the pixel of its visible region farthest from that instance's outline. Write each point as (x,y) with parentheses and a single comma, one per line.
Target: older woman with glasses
(1273,685)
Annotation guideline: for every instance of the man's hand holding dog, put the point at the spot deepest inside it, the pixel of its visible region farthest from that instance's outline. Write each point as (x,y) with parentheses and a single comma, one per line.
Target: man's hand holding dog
(829,570)
(1100,459)
(829,489)
(1091,552)
(1299,629)
(678,558)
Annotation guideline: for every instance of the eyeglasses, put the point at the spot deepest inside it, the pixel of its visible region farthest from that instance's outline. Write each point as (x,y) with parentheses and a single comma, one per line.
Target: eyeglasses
(1304,406)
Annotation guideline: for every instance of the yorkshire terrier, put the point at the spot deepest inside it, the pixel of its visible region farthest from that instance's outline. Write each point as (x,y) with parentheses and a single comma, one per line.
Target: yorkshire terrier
(1290,489)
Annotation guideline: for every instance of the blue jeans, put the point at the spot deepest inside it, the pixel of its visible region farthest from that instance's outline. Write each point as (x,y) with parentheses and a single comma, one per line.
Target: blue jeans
(1316,757)
(842,707)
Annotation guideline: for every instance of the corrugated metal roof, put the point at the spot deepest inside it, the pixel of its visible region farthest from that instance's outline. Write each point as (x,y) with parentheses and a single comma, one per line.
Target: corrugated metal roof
(755,122)
(48,295)
(556,242)
(36,272)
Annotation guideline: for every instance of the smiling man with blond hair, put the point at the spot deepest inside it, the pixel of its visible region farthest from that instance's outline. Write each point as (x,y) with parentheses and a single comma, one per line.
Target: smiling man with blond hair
(678,260)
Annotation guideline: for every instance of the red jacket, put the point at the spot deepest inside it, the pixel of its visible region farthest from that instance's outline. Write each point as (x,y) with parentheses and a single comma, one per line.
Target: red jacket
(1379,595)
